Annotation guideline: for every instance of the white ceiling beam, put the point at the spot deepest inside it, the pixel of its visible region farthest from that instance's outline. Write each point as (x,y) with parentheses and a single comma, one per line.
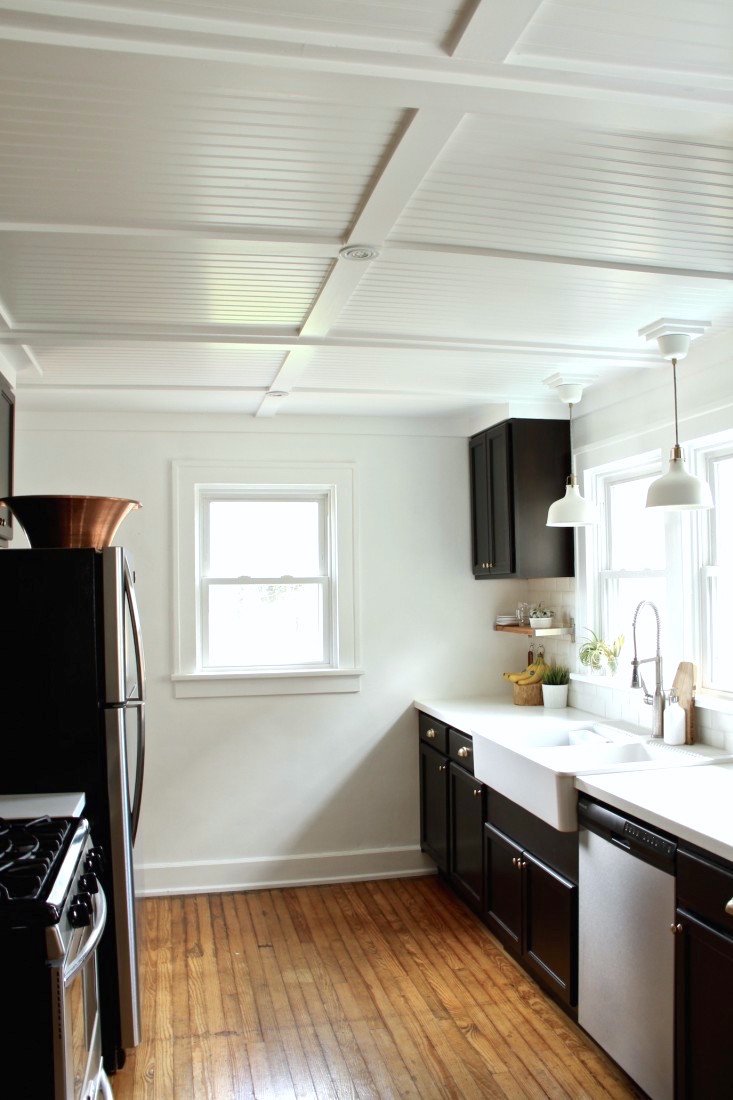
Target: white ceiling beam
(75,335)
(294,365)
(355,76)
(491,29)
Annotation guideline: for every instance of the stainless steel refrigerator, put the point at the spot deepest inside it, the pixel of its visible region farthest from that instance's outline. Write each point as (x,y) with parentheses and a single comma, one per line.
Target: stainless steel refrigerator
(73,717)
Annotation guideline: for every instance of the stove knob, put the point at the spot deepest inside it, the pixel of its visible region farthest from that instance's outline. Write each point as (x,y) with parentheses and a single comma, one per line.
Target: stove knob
(79,915)
(95,860)
(88,883)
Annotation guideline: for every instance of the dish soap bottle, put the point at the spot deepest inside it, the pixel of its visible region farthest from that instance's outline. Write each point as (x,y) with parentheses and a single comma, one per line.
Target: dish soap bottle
(674,722)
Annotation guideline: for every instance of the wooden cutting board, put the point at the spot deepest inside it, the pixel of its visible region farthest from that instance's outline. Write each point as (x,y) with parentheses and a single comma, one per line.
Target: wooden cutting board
(684,686)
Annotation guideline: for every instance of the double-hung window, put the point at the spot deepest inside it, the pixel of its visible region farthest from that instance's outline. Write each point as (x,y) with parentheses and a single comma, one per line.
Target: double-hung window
(265,564)
(681,561)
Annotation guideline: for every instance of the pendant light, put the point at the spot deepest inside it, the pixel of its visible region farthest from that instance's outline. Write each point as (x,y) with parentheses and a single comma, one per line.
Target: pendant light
(572,510)
(677,491)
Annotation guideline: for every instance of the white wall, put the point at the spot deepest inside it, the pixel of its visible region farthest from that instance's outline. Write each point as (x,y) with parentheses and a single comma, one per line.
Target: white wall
(297,788)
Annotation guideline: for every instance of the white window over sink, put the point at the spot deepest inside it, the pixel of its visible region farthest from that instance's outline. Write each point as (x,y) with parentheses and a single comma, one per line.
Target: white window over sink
(681,561)
(265,561)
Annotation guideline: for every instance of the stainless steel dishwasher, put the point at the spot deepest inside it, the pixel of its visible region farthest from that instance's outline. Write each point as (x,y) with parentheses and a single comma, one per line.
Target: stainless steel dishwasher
(626,891)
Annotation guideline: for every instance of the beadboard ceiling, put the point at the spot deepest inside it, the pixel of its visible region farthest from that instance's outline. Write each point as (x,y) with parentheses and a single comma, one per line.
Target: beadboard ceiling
(540,178)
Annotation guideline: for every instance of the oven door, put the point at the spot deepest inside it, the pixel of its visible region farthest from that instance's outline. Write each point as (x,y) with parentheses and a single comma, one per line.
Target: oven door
(78,1047)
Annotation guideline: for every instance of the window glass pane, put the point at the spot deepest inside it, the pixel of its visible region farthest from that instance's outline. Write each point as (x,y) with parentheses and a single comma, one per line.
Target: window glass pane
(721,600)
(252,625)
(636,534)
(264,538)
(723,516)
(625,594)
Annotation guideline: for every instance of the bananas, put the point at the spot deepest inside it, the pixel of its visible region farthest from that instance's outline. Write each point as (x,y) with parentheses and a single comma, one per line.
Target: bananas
(531,675)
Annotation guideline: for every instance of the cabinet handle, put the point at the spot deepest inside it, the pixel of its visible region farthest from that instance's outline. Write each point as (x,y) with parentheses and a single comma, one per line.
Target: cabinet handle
(675,929)
(442,767)
(463,752)
(430,734)
(476,792)
(729,908)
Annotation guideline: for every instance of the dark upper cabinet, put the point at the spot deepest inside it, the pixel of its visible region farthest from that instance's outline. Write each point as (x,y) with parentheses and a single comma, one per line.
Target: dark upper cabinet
(518,468)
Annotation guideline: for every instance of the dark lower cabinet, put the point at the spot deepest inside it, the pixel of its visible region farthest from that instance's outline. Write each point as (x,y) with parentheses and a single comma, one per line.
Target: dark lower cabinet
(704,982)
(434,804)
(703,977)
(466,808)
(534,911)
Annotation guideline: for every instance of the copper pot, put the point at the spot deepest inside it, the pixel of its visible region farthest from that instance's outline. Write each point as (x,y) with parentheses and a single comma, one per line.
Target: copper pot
(69,522)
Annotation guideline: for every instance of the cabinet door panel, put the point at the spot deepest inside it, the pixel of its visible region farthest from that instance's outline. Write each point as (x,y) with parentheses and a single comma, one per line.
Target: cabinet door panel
(434,805)
(551,905)
(501,517)
(466,807)
(480,543)
(503,887)
(704,980)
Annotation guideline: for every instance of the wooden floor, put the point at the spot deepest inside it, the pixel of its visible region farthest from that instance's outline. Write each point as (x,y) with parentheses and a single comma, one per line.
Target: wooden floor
(375,989)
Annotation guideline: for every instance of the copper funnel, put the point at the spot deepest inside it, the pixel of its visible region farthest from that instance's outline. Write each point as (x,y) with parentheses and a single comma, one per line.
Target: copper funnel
(70,522)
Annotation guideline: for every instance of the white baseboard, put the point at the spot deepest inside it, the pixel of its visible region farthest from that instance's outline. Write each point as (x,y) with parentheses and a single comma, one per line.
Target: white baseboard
(266,872)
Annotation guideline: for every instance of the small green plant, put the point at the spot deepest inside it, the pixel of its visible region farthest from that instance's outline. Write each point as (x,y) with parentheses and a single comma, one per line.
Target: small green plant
(539,611)
(556,675)
(598,655)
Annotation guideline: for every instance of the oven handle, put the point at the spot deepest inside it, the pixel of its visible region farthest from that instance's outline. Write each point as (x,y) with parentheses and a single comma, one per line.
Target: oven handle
(100,919)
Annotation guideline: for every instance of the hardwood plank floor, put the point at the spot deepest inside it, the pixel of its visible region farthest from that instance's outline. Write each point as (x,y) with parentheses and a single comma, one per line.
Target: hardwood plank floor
(367,990)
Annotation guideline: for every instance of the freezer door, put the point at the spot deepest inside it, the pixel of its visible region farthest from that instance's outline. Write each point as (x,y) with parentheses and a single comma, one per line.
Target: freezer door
(123,881)
(124,662)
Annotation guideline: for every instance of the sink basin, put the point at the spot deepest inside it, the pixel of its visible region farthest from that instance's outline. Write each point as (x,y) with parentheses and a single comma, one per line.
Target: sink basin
(536,767)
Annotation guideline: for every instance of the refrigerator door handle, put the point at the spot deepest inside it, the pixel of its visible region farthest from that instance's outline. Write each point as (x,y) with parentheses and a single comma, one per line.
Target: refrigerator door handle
(137,795)
(136,631)
(140,662)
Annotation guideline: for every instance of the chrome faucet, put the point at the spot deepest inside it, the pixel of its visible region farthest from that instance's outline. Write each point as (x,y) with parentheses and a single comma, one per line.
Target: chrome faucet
(637,680)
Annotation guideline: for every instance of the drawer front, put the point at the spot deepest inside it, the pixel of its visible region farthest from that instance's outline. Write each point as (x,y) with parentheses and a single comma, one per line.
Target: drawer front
(460,749)
(434,733)
(705,888)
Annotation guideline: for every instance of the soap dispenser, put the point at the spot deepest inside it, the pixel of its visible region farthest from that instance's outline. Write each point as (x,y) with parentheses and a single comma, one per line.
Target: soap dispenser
(674,722)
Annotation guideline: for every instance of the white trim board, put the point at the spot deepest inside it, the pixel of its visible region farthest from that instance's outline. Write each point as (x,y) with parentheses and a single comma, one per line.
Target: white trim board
(276,872)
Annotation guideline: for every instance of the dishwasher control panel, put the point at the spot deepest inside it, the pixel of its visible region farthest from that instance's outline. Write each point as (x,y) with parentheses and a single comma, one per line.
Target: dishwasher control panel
(647,839)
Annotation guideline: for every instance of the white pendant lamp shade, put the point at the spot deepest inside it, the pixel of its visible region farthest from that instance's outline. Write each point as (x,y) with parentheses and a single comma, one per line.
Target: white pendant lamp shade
(572,510)
(677,490)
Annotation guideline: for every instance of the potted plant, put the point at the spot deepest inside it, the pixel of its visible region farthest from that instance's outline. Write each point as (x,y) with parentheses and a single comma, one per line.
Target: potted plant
(541,616)
(600,656)
(555,681)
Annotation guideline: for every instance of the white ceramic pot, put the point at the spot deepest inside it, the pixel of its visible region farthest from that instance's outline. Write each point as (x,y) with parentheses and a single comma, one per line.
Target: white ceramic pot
(541,624)
(555,695)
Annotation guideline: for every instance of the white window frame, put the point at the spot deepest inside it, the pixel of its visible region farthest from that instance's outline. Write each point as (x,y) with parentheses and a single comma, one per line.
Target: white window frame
(702,457)
(194,485)
(689,541)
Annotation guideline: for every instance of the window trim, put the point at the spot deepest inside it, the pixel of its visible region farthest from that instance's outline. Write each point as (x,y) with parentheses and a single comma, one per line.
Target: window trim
(703,455)
(191,480)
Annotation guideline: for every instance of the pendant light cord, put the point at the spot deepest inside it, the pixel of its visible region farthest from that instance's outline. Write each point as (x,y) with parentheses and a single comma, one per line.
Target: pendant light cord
(674,382)
(570,433)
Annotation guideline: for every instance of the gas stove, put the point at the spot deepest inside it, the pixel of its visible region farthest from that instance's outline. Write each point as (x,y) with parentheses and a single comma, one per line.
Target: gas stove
(52,917)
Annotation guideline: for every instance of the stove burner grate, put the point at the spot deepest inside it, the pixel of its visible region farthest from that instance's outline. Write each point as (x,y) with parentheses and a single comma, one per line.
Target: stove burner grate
(29,851)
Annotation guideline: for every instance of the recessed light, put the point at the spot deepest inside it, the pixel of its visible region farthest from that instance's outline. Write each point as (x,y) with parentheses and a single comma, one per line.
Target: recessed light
(359,252)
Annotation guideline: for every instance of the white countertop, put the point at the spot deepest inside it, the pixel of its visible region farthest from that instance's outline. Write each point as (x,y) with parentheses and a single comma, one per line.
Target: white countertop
(691,803)
(481,714)
(694,804)
(42,805)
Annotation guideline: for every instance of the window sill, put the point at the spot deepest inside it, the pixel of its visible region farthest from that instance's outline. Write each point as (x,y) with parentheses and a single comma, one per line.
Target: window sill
(210,685)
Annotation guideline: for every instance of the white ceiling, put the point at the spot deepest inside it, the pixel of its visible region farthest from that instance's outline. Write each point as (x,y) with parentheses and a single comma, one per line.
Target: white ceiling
(542,178)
